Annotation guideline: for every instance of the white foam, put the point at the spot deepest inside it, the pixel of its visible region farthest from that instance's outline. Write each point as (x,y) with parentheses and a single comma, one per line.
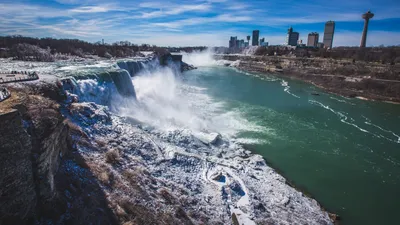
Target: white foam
(384,130)
(251,141)
(164,101)
(345,119)
(286,89)
(342,101)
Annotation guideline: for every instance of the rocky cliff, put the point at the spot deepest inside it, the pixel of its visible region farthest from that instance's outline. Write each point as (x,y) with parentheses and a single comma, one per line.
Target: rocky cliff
(33,138)
(35,169)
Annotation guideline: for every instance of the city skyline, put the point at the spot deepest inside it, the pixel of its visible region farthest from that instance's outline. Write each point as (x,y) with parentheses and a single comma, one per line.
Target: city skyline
(201,22)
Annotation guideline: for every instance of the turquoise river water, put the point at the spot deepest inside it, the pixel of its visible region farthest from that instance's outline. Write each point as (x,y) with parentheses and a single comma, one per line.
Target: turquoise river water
(343,152)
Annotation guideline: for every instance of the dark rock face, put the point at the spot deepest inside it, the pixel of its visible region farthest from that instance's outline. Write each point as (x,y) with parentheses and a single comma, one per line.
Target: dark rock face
(17,190)
(33,139)
(49,137)
(187,67)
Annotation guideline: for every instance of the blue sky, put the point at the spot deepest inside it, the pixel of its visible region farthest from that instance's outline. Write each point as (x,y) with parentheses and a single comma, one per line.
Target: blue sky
(199,22)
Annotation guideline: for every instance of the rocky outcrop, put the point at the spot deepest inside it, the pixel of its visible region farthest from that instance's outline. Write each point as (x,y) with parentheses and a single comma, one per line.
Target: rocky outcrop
(33,139)
(167,58)
(50,141)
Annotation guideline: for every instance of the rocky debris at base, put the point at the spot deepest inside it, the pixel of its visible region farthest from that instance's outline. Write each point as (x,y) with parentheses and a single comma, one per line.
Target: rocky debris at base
(89,112)
(187,67)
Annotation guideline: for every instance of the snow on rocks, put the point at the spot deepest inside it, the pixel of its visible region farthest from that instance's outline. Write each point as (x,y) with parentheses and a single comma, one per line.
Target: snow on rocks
(216,183)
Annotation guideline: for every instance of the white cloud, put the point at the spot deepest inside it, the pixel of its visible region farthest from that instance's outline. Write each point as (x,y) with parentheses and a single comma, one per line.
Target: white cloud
(202,20)
(168,23)
(175,40)
(238,6)
(170,9)
(30,11)
(94,9)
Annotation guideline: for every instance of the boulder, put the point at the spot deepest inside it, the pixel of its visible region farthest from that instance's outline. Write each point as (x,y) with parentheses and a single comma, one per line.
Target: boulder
(89,112)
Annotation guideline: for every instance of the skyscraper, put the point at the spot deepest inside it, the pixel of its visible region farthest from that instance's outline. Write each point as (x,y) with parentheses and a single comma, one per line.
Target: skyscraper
(262,41)
(256,35)
(292,37)
(366,16)
(241,44)
(313,39)
(232,42)
(328,34)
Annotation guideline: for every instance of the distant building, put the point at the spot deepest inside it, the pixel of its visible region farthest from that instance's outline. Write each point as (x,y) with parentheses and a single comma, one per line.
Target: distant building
(292,37)
(328,34)
(320,45)
(246,44)
(366,16)
(262,40)
(256,35)
(313,39)
(233,42)
(241,44)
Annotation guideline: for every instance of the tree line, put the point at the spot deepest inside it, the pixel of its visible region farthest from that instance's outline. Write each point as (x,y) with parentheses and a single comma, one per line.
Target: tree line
(50,49)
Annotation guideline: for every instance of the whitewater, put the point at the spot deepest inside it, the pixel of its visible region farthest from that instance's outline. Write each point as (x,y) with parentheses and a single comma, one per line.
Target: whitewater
(182,136)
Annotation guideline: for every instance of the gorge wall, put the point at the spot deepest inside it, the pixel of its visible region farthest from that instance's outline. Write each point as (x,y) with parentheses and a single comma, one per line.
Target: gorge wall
(33,138)
(39,183)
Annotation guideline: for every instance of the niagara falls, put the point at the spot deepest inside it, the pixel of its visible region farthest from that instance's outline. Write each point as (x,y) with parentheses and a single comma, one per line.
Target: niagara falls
(209,112)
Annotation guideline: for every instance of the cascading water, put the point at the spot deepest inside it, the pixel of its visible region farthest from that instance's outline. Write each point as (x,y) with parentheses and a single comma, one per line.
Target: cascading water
(187,138)
(108,85)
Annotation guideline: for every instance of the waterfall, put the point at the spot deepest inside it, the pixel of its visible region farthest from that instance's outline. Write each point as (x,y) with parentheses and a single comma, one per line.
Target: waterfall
(106,85)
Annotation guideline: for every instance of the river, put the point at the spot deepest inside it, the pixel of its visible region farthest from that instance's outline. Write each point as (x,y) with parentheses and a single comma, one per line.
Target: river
(343,152)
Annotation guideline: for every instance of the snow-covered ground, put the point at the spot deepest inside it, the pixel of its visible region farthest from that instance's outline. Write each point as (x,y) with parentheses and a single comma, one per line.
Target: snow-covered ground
(219,178)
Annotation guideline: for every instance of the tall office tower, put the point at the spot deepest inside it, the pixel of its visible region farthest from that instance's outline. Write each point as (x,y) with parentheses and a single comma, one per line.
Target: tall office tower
(241,44)
(256,35)
(366,16)
(313,39)
(232,42)
(328,34)
(292,37)
(262,41)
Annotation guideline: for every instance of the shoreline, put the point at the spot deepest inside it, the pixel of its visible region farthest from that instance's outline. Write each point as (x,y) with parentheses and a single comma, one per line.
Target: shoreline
(368,81)
(347,93)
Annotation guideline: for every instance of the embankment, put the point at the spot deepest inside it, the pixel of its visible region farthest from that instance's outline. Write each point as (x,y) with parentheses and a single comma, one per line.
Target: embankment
(344,77)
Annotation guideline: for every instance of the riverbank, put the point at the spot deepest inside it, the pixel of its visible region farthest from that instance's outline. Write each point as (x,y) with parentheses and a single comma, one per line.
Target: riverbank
(371,81)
